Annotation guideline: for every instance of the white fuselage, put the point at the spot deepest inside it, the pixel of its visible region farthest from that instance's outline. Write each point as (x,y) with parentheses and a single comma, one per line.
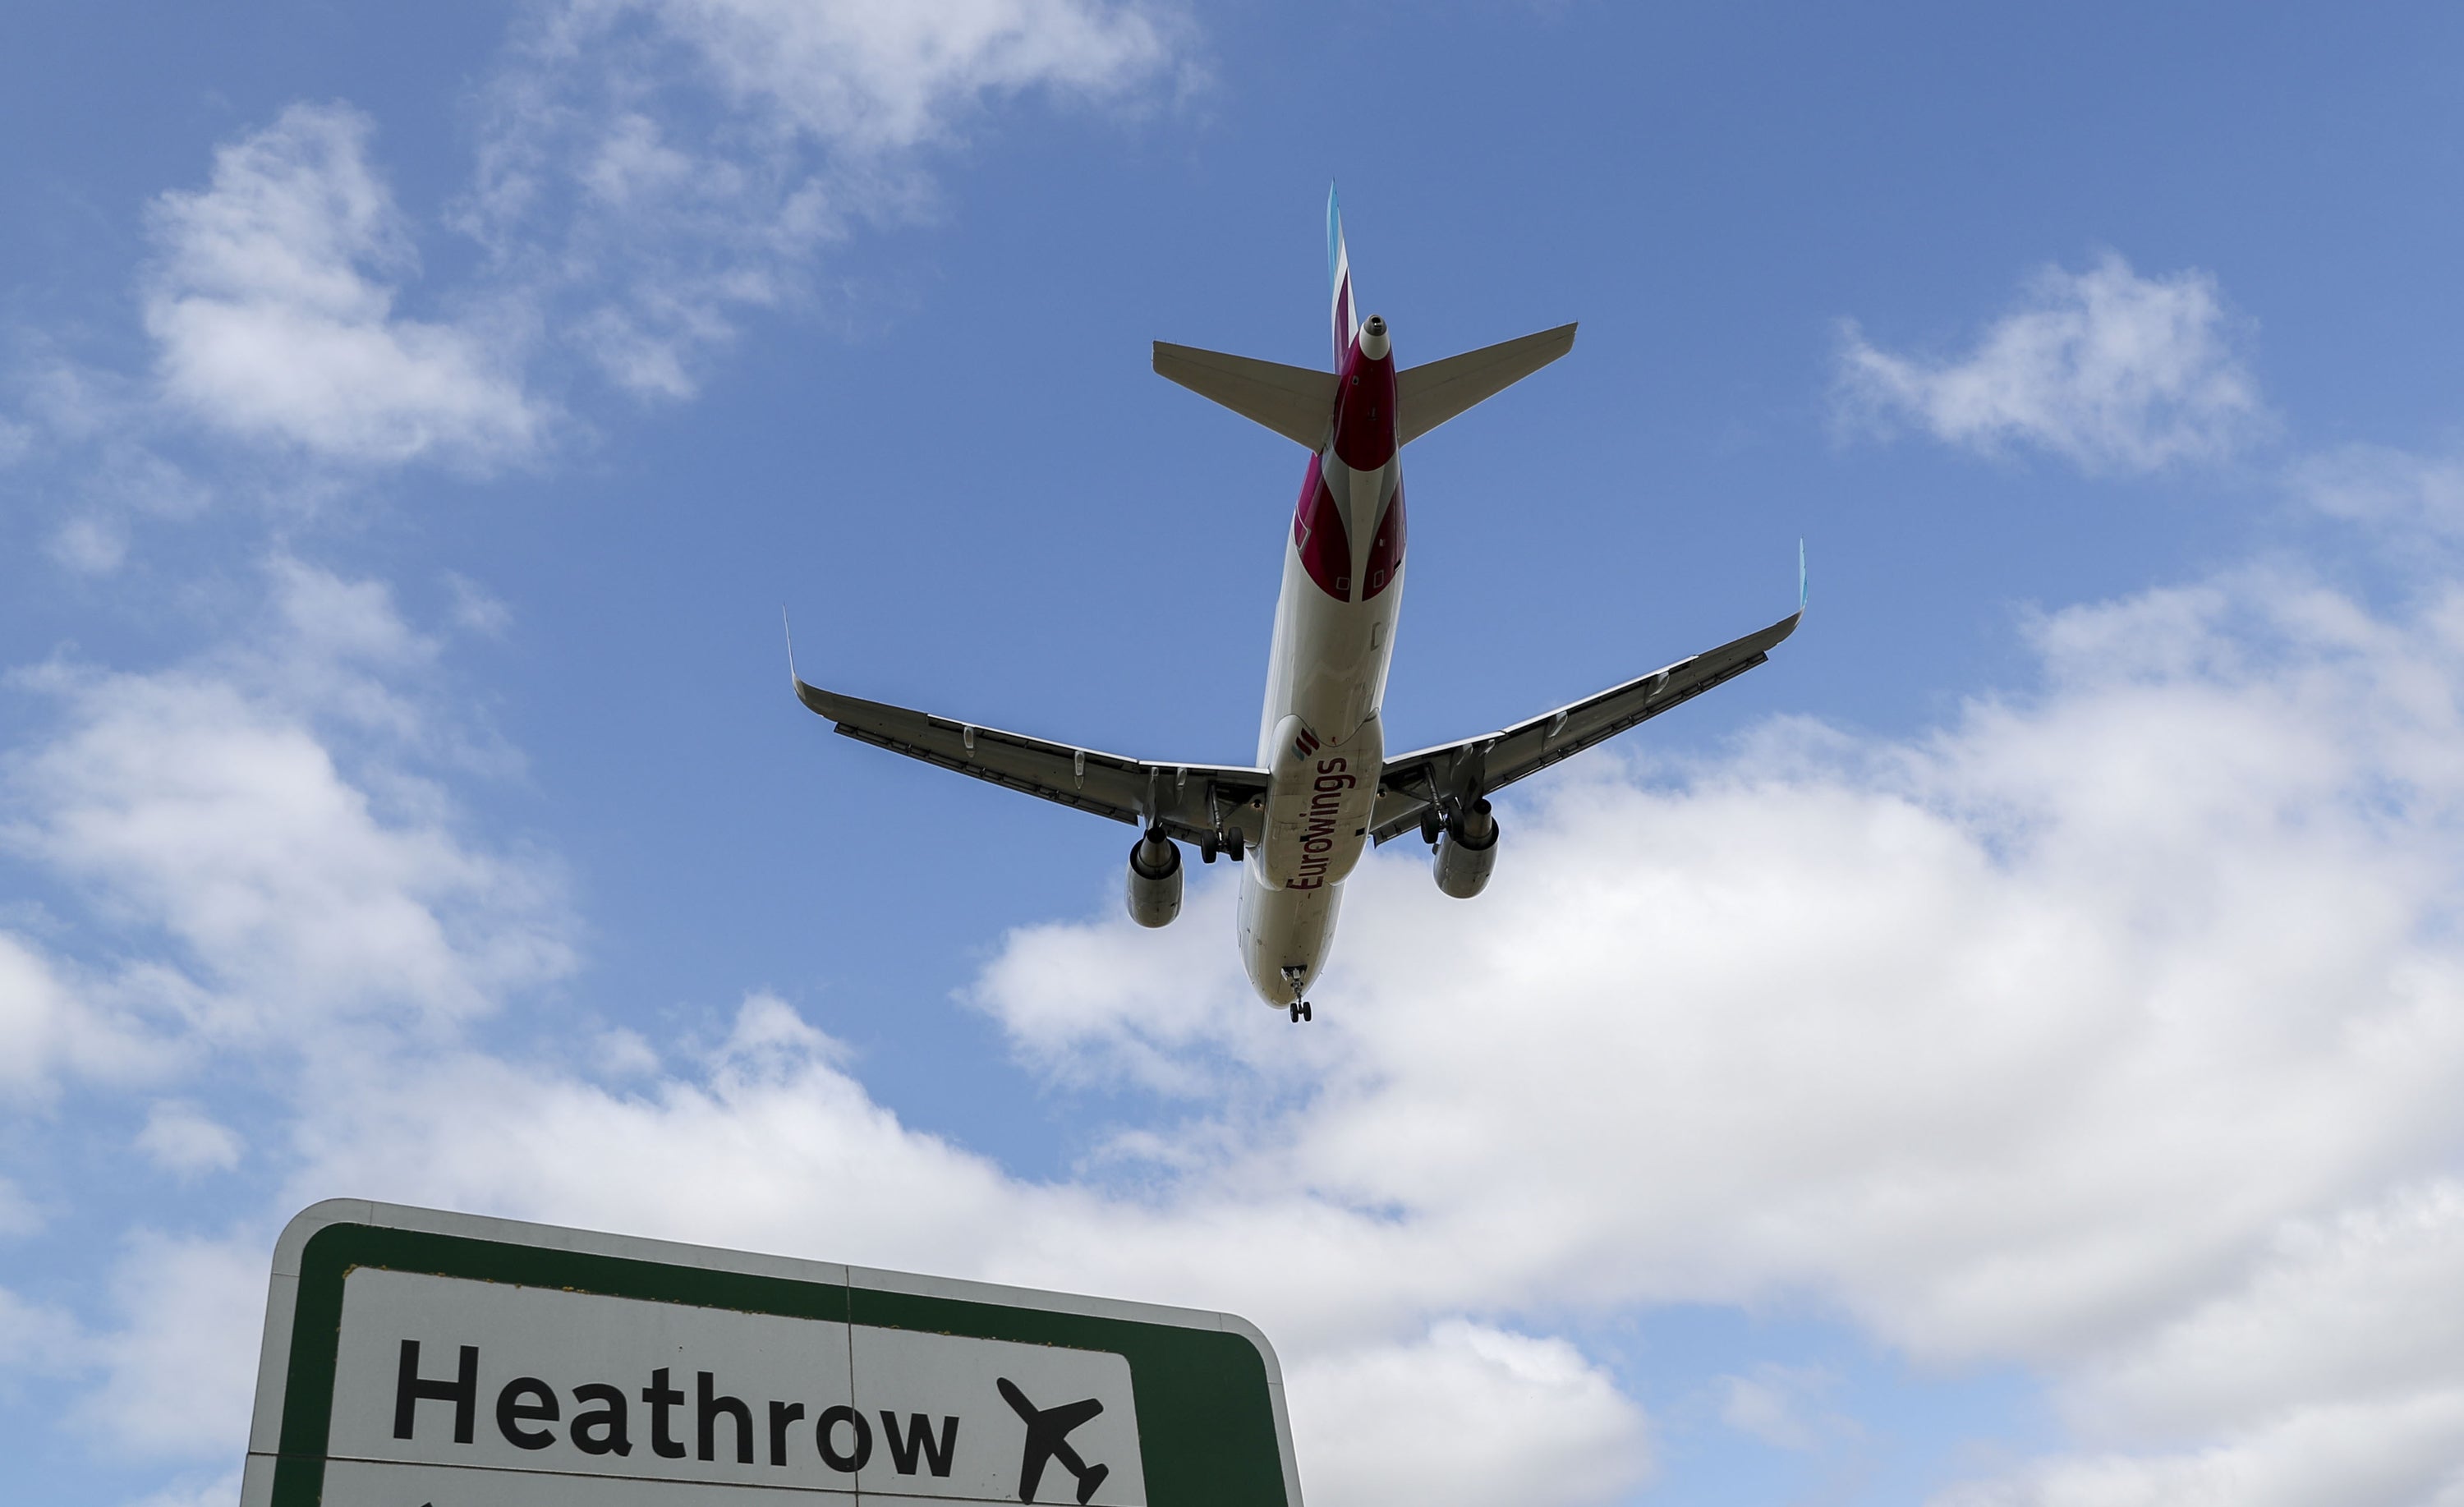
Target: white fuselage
(1320,735)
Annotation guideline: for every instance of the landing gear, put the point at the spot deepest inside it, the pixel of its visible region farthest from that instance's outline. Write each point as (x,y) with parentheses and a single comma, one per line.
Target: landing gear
(1300,1011)
(1297,977)
(1206,848)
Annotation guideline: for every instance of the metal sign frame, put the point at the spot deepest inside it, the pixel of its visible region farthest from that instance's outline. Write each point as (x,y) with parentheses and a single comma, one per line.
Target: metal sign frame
(1212,1425)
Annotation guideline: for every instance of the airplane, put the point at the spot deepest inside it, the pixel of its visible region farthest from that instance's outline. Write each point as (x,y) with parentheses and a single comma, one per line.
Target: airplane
(1323,788)
(1047,1432)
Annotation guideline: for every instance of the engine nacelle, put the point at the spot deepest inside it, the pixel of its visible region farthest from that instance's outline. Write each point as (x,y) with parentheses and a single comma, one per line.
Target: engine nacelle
(1466,852)
(1154,880)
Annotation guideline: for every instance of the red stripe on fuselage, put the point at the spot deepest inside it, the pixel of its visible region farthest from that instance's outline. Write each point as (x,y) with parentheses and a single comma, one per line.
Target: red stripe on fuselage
(1319,534)
(1364,411)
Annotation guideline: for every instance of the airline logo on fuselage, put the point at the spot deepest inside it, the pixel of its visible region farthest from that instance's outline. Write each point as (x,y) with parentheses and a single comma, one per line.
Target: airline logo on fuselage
(1325,811)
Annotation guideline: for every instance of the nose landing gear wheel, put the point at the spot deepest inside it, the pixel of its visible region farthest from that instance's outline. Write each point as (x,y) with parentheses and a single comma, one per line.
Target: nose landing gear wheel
(1300,1011)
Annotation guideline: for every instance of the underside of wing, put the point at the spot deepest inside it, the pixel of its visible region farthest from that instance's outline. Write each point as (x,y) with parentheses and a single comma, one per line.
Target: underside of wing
(1193,802)
(1473,767)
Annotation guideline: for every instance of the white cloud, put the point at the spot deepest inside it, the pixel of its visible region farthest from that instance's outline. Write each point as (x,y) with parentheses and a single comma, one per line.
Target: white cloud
(18,1215)
(739,1152)
(274,886)
(324,624)
(2409,1453)
(211,803)
(650,170)
(40,1016)
(126,482)
(879,78)
(226,822)
(91,546)
(50,1025)
(1469,1416)
(1782,1406)
(68,401)
(39,1340)
(2360,1303)
(654,170)
(1087,1004)
(475,610)
(273,309)
(2114,371)
(2036,1041)
(2407,493)
(179,1137)
(179,1375)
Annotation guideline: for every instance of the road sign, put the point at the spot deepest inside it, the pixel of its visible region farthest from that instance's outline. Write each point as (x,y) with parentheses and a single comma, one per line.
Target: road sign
(419,1359)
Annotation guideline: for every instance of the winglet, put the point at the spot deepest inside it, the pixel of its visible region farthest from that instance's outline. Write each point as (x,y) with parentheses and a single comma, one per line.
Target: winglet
(1801,576)
(814,698)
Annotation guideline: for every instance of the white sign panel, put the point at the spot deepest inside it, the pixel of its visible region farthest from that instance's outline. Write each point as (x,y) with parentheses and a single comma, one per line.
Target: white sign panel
(485,1376)
(415,1359)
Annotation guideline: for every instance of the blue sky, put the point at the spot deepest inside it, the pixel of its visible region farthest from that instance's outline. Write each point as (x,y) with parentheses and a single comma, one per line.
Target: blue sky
(2001,1052)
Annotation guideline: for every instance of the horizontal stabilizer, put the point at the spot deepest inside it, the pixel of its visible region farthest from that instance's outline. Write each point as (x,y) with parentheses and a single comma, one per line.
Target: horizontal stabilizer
(1428,396)
(1292,401)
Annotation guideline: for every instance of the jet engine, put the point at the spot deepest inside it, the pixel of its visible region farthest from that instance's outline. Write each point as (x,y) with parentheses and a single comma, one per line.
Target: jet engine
(1154,879)
(1467,850)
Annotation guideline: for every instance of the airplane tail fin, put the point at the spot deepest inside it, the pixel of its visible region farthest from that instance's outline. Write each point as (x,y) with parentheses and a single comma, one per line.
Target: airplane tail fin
(1299,403)
(1294,402)
(1428,396)
(1087,1482)
(1339,276)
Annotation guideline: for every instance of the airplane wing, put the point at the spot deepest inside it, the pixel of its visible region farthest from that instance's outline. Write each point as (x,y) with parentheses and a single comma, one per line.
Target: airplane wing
(1055,1423)
(1474,767)
(1194,801)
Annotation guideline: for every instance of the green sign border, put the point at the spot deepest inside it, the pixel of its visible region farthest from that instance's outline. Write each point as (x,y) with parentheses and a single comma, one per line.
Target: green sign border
(1207,1429)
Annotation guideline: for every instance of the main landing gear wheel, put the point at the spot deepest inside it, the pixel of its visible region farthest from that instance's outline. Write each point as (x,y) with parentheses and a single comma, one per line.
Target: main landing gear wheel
(1300,1011)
